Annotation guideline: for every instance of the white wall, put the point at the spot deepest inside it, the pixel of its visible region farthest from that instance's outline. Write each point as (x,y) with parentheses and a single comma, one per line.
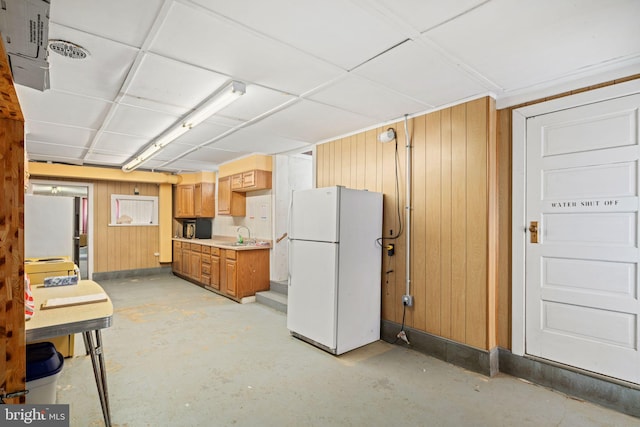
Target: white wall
(292,172)
(258,219)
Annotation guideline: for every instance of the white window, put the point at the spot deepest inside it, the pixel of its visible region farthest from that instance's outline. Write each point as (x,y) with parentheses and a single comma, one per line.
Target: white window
(134,210)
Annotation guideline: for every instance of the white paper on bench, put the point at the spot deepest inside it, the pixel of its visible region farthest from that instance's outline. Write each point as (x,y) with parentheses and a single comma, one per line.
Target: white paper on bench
(82,299)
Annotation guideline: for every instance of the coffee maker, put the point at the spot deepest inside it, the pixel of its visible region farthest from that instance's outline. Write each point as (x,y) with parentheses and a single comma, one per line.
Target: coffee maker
(189,228)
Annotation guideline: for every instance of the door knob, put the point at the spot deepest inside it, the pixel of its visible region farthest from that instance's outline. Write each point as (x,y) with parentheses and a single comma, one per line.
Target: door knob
(533,229)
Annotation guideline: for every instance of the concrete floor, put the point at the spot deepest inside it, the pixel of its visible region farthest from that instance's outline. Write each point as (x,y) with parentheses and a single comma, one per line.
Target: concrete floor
(178,355)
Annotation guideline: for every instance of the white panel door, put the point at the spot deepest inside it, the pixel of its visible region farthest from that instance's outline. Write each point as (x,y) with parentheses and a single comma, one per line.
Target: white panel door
(582,290)
(312,297)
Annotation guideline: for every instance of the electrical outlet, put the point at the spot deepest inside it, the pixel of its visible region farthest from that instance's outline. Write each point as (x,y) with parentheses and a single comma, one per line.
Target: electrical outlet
(407,300)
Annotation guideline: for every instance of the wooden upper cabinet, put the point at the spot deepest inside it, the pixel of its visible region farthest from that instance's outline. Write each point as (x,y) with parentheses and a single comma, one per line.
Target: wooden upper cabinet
(251,180)
(184,203)
(230,202)
(236,182)
(204,204)
(195,200)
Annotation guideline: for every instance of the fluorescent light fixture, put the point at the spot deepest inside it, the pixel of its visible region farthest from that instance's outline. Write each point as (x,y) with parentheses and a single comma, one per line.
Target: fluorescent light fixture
(216,102)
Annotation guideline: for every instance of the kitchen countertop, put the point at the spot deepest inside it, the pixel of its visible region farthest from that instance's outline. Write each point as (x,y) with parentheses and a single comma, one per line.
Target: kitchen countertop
(226,242)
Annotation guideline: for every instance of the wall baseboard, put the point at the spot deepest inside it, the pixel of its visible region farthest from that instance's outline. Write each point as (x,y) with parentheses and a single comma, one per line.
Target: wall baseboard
(124,274)
(617,396)
(592,388)
(471,358)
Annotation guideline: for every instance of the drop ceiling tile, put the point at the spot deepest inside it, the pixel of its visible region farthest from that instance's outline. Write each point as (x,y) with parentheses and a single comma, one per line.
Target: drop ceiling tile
(310,122)
(100,75)
(195,36)
(55,134)
(139,122)
(157,166)
(420,72)
(61,108)
(227,122)
(121,20)
(56,159)
(339,32)
(256,101)
(546,39)
(179,166)
(201,134)
(44,151)
(148,104)
(356,94)
(213,156)
(173,151)
(120,143)
(106,158)
(168,82)
(251,140)
(422,15)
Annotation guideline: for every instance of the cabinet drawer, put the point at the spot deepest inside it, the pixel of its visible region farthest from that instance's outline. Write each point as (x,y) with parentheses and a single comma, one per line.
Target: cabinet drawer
(186,245)
(206,259)
(206,249)
(230,254)
(195,248)
(205,279)
(206,269)
(177,244)
(215,251)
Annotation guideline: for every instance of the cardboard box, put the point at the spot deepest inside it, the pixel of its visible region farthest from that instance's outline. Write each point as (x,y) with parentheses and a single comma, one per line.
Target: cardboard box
(24,25)
(39,268)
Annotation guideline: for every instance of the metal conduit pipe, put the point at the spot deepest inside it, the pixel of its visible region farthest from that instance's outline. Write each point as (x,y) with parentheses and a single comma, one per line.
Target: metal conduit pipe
(408,215)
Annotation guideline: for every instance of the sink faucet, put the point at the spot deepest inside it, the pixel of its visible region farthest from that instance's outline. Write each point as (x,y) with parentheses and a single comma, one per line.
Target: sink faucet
(248,231)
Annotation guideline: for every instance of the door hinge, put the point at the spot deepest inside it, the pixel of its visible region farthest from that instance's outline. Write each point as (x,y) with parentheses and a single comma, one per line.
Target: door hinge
(4,395)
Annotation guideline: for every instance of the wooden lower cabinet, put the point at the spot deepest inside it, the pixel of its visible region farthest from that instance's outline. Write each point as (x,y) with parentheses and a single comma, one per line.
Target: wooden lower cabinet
(205,266)
(177,257)
(195,269)
(215,268)
(230,277)
(186,259)
(244,272)
(234,273)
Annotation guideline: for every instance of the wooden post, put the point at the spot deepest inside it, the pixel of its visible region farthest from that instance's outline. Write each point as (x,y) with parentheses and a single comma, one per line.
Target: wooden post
(12,334)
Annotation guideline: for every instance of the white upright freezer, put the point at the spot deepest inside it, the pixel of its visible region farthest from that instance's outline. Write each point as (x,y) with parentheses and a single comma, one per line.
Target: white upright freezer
(335,267)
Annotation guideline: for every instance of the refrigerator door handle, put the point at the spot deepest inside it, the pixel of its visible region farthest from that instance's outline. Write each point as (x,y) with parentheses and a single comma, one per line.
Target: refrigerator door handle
(289,239)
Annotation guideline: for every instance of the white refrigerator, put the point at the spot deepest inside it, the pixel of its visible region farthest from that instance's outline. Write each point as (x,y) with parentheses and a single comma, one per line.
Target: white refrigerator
(334,267)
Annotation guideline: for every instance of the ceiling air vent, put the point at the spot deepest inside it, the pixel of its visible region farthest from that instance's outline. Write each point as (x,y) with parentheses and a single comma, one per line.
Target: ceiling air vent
(68,49)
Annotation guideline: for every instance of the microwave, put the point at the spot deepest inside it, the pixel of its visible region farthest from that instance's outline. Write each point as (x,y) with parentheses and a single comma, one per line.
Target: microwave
(199,228)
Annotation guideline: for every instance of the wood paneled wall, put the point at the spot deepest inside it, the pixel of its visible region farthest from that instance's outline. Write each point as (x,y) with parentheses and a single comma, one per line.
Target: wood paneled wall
(122,248)
(454,216)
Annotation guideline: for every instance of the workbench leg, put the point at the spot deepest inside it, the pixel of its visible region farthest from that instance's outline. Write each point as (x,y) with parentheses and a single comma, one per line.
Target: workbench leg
(86,345)
(100,373)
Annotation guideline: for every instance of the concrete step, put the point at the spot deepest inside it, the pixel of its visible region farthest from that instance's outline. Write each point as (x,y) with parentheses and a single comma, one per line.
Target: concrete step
(275,300)
(279,287)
